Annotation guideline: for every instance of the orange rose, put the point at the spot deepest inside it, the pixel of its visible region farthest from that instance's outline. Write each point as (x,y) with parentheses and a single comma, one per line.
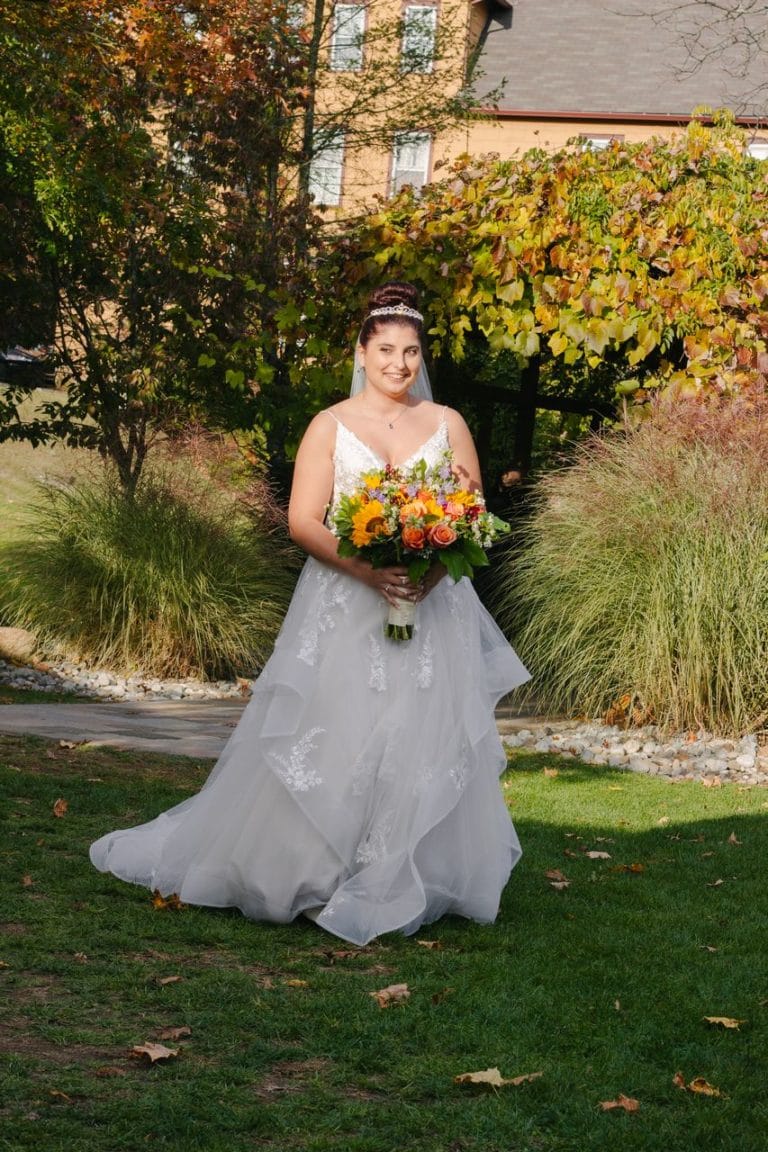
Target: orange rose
(413,510)
(440,535)
(454,510)
(414,537)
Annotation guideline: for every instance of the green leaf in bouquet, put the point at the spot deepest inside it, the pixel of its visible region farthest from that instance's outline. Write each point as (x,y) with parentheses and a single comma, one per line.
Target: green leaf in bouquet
(456,564)
(417,569)
(474,554)
(347,548)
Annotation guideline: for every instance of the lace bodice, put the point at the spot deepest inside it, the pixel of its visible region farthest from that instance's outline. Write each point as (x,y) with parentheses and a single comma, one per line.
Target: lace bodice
(352,457)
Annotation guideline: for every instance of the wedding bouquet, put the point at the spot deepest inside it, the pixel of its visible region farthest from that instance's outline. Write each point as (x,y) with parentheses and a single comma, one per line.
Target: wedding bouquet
(414,516)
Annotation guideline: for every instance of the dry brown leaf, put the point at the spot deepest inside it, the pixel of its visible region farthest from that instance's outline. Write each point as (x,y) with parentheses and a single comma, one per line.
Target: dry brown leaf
(174,1033)
(725,1022)
(706,855)
(27,881)
(433,945)
(698,1085)
(733,839)
(163,902)
(153,1052)
(628,1103)
(715,884)
(559,885)
(551,772)
(3,964)
(708,948)
(636,868)
(556,874)
(598,855)
(493,1078)
(80,957)
(60,807)
(296,983)
(392,994)
(163,980)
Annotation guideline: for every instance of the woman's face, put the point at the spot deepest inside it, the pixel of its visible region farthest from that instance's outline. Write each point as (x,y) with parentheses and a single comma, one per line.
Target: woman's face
(391,359)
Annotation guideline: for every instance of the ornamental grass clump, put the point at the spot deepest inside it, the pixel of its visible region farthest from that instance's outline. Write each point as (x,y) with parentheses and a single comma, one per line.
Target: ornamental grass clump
(643,573)
(177,580)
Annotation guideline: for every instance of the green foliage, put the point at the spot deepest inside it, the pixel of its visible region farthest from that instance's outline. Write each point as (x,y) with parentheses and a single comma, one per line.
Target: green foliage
(643,262)
(643,571)
(601,987)
(178,580)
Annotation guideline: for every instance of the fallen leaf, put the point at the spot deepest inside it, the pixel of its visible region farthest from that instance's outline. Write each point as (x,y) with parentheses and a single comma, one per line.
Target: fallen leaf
(556,874)
(571,854)
(708,948)
(57,1095)
(27,881)
(493,1078)
(80,957)
(3,964)
(174,1033)
(712,782)
(698,1085)
(663,820)
(296,983)
(551,772)
(617,1005)
(107,1070)
(162,902)
(153,1052)
(559,885)
(725,1022)
(715,884)
(433,945)
(72,743)
(60,807)
(598,855)
(733,839)
(628,868)
(392,994)
(706,855)
(628,1103)
(163,980)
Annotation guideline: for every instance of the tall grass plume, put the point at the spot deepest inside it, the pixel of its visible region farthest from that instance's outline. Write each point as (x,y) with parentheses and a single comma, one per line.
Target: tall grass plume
(180,580)
(644,572)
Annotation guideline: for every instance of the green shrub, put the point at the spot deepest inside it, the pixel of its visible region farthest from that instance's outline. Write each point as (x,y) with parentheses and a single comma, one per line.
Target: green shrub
(181,580)
(644,571)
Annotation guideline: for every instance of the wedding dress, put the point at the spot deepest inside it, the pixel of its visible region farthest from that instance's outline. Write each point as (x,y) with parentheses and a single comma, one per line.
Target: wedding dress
(361,784)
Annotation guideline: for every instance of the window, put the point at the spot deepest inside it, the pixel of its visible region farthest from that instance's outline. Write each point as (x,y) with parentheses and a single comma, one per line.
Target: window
(419,30)
(758,148)
(596,141)
(410,160)
(347,37)
(325,172)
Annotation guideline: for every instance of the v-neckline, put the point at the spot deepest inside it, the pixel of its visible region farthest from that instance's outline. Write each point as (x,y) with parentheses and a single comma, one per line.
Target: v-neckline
(417,452)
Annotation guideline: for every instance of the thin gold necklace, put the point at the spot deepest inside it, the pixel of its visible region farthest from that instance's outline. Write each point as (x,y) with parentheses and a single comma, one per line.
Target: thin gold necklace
(391,423)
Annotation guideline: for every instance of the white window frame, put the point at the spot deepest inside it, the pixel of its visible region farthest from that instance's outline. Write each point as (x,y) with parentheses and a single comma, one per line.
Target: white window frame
(347,34)
(420,27)
(597,141)
(326,172)
(417,173)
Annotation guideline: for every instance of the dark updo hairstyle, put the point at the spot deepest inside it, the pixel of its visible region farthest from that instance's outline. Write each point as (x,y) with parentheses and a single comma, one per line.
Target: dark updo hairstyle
(389,295)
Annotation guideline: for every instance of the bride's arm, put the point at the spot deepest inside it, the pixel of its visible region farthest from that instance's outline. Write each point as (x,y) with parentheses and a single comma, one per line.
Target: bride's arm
(311,492)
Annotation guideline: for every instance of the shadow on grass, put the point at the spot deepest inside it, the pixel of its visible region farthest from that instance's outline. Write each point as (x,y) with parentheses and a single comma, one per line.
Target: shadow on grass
(601,985)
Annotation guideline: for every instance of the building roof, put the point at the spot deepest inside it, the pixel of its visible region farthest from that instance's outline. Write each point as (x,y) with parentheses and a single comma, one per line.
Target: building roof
(622,58)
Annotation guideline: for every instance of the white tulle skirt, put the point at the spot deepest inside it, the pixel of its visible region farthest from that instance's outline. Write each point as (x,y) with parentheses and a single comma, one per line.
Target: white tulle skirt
(361,785)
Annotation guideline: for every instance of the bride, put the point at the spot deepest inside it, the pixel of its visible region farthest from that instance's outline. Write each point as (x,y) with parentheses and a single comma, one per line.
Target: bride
(361,785)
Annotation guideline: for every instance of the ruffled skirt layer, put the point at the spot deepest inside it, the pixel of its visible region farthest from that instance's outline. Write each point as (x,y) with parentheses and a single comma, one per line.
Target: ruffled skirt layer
(361,785)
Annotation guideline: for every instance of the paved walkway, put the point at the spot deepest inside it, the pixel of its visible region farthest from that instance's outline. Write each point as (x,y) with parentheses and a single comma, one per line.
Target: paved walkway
(195,728)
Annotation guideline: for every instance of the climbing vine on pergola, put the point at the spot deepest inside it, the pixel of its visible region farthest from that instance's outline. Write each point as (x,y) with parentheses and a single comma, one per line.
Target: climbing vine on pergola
(649,258)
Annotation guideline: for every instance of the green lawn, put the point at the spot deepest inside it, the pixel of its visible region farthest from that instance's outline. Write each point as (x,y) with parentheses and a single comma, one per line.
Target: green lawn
(601,986)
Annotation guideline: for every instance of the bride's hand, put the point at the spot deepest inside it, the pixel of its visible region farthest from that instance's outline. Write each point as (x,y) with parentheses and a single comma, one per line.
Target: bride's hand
(392,583)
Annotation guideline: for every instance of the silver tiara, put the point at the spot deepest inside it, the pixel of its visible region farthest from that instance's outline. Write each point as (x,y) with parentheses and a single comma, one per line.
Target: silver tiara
(397,310)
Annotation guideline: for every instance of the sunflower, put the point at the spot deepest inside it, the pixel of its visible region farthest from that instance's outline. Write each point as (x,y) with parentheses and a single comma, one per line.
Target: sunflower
(368,523)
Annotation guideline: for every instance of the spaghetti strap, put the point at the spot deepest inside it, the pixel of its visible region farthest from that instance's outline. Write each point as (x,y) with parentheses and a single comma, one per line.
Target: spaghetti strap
(334,415)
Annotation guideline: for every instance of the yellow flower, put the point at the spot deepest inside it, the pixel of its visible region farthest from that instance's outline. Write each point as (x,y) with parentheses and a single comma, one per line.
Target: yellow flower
(372,479)
(463,497)
(368,523)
